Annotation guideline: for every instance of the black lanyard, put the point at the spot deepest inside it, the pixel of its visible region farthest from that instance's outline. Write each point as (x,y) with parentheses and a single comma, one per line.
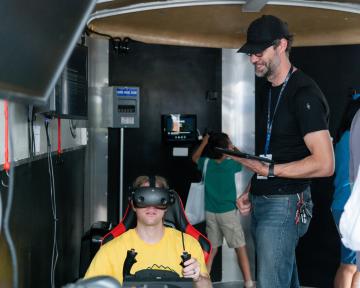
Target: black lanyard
(270,121)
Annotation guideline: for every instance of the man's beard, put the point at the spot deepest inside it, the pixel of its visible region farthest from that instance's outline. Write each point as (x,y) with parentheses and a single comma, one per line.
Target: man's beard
(270,68)
(264,73)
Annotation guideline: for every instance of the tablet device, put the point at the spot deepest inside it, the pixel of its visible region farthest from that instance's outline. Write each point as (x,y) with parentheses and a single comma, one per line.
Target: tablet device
(243,155)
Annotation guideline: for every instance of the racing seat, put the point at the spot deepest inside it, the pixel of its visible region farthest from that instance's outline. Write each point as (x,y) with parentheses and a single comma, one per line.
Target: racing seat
(174,217)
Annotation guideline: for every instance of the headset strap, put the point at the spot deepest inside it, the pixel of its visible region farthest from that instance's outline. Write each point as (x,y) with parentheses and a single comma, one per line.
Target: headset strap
(152,181)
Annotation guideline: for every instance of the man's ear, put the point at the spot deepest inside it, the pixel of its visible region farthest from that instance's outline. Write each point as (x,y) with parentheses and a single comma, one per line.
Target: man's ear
(283,44)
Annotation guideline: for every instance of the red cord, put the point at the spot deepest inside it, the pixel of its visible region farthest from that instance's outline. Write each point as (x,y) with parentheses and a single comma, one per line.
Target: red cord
(59,136)
(6,113)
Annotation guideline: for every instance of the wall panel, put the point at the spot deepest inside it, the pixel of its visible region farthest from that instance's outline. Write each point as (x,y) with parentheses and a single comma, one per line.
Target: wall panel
(31,221)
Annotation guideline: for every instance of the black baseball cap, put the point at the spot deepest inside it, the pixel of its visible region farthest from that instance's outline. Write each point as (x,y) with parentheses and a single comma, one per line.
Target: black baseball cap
(262,33)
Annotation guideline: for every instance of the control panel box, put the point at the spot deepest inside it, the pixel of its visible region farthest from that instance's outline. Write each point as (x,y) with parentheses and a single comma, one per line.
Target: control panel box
(115,106)
(126,107)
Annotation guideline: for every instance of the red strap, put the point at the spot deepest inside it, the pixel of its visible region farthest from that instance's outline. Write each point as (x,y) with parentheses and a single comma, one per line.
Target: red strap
(59,136)
(6,113)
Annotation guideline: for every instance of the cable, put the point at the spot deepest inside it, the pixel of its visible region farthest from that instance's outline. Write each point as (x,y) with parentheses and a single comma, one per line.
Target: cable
(7,213)
(72,127)
(33,134)
(31,137)
(47,132)
(120,45)
(55,254)
(89,31)
(177,197)
(180,219)
(183,240)
(29,134)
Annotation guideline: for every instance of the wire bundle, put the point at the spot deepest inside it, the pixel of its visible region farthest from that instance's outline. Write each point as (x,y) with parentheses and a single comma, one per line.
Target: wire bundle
(55,253)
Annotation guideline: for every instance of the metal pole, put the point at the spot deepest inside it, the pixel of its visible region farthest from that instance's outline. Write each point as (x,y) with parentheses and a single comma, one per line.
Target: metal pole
(121,171)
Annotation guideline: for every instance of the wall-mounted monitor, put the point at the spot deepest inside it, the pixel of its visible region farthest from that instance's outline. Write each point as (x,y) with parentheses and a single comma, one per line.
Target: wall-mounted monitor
(179,127)
(37,38)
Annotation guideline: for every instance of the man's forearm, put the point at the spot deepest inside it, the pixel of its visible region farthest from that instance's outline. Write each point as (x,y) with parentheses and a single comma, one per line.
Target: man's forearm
(203,282)
(320,162)
(305,168)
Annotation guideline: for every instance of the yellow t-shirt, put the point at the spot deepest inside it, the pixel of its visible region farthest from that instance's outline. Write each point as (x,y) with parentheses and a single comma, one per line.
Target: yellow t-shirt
(167,252)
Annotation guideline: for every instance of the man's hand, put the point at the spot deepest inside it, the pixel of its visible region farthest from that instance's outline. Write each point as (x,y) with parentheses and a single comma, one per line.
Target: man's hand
(192,270)
(256,166)
(243,203)
(205,139)
(197,154)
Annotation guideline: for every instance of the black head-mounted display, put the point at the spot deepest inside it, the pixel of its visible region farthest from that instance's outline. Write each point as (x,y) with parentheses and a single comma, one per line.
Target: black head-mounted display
(152,196)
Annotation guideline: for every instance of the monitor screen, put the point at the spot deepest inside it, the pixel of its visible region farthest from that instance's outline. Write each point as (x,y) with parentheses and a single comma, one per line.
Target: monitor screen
(37,38)
(179,127)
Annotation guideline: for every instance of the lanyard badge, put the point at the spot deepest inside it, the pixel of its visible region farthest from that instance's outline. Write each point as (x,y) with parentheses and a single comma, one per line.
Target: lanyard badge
(271,119)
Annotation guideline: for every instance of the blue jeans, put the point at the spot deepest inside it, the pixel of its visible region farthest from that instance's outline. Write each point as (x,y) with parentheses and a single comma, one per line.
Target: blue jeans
(276,235)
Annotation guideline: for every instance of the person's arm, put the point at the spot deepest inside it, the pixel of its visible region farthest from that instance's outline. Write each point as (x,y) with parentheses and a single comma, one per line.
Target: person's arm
(192,270)
(195,267)
(243,203)
(354,147)
(197,154)
(203,281)
(320,163)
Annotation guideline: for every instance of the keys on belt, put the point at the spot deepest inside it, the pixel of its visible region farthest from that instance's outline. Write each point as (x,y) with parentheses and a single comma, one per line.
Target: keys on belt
(302,212)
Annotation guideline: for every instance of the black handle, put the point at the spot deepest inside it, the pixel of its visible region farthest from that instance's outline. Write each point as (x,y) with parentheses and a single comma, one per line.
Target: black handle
(185,256)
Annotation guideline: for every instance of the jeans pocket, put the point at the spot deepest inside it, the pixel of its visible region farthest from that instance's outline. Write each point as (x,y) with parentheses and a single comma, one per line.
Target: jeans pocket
(273,210)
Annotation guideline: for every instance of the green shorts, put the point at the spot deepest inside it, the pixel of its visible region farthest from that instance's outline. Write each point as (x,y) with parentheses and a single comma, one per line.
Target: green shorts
(225,225)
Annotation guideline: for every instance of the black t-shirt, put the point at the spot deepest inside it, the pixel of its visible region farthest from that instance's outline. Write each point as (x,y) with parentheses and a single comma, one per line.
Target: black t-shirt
(302,109)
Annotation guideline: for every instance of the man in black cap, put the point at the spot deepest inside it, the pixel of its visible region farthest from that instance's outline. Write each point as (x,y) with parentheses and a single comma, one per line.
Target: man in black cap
(292,130)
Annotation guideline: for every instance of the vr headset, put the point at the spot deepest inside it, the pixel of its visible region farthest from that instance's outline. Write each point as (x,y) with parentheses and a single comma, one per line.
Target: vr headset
(160,198)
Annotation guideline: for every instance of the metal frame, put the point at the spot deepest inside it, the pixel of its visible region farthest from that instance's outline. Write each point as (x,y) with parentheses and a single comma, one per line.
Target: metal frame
(345,7)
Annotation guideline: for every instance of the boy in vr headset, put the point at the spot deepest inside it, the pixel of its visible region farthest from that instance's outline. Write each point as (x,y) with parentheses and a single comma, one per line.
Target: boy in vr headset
(156,249)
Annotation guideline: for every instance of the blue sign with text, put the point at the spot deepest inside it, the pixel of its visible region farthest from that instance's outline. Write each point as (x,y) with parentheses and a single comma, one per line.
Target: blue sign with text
(127,91)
